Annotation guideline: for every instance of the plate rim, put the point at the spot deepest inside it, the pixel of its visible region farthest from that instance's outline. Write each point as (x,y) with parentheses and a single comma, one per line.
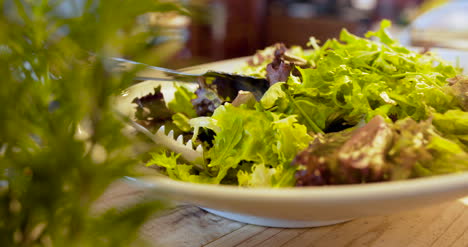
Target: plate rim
(387,189)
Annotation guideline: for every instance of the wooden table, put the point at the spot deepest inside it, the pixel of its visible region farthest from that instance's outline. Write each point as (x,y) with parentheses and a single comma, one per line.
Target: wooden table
(186,225)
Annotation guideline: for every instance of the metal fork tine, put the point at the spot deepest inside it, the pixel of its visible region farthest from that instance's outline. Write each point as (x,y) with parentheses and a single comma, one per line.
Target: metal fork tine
(190,155)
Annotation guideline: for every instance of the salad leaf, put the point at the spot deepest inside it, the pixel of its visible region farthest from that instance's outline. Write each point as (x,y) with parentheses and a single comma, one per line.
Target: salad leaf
(260,176)
(256,66)
(152,107)
(353,110)
(153,111)
(182,122)
(264,176)
(255,139)
(357,78)
(206,102)
(365,152)
(459,87)
(453,124)
(244,98)
(272,95)
(177,171)
(182,108)
(348,157)
(419,150)
(241,134)
(317,164)
(382,33)
(278,70)
(182,102)
(290,136)
(379,151)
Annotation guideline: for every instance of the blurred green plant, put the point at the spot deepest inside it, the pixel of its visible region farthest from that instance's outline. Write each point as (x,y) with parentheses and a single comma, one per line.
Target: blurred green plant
(50,172)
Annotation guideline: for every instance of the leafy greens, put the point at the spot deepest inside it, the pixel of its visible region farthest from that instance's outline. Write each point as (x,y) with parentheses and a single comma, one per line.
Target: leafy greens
(350,111)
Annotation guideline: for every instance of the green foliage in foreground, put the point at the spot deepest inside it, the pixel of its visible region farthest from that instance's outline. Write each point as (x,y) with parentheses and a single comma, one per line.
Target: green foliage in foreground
(50,174)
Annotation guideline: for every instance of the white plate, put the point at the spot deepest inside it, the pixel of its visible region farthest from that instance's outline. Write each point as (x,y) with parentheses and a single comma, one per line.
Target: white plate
(305,206)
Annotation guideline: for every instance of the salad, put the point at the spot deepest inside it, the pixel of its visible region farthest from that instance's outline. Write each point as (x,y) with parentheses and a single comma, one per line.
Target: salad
(350,110)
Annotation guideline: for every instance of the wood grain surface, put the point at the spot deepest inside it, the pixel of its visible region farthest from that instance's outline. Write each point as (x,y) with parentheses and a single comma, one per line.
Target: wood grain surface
(186,225)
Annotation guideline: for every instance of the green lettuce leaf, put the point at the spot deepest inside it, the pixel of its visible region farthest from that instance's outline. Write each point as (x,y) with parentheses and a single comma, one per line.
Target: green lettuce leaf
(178,171)
(345,83)
(264,176)
(252,138)
(356,78)
(453,124)
(289,137)
(182,102)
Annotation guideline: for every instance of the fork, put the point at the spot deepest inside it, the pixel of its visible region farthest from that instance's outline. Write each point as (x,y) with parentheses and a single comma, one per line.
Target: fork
(187,151)
(230,83)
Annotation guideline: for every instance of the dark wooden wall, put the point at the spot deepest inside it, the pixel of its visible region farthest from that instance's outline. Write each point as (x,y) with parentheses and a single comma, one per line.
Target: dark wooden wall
(240,27)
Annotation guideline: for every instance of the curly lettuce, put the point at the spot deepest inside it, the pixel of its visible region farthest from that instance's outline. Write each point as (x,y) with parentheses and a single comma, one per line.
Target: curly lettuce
(355,109)
(354,79)
(247,144)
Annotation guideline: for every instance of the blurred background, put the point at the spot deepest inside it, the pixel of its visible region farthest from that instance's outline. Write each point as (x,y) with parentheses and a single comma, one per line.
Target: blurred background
(222,29)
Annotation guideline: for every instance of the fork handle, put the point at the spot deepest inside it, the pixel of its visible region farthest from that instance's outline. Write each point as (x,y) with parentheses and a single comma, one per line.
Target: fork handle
(171,74)
(169,79)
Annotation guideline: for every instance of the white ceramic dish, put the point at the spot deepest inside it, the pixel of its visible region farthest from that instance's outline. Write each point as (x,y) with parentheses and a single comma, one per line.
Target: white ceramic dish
(301,207)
